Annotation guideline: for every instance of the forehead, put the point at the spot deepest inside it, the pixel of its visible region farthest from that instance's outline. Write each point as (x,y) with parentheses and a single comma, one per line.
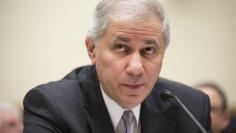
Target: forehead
(8,113)
(151,27)
(214,96)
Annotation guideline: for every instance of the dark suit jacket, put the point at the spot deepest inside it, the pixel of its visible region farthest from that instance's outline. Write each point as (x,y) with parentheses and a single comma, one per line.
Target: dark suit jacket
(75,105)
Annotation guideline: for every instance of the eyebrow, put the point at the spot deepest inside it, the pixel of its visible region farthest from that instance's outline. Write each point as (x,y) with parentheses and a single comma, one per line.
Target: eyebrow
(122,38)
(146,41)
(151,41)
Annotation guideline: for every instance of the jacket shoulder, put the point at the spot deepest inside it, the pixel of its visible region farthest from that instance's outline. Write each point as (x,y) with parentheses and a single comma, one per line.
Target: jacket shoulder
(56,104)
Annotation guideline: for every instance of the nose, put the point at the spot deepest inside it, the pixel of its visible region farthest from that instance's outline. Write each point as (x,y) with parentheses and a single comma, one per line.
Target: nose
(135,65)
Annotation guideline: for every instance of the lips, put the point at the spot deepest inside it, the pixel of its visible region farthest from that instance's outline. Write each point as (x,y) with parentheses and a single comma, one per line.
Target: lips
(133,86)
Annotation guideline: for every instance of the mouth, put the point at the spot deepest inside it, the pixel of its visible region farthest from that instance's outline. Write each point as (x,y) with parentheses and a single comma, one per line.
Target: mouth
(133,86)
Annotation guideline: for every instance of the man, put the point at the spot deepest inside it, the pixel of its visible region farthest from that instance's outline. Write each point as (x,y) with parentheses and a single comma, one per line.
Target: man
(10,119)
(126,46)
(219,115)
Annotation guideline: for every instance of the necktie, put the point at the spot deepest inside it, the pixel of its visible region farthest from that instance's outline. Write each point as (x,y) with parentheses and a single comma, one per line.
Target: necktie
(127,123)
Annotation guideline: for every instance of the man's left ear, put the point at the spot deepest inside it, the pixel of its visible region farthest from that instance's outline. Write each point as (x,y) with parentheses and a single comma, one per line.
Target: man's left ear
(90,45)
(225,119)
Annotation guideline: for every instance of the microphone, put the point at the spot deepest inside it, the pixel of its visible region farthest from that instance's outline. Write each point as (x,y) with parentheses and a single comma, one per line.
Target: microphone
(166,95)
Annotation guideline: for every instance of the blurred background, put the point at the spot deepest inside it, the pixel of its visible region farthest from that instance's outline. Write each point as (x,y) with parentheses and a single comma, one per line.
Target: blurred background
(42,40)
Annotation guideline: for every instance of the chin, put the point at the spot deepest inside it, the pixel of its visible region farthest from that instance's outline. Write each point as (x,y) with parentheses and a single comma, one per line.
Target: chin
(132,103)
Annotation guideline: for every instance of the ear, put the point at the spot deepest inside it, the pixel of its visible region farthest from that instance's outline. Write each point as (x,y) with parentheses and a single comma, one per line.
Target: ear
(90,45)
(225,119)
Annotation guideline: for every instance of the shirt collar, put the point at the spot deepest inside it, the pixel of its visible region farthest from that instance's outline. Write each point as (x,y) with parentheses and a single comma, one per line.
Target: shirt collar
(116,111)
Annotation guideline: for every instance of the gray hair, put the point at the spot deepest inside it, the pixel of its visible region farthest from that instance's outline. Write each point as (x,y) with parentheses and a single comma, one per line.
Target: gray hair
(111,9)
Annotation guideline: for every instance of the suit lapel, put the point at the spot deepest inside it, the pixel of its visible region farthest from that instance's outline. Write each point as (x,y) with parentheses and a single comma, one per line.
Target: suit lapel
(100,123)
(99,119)
(157,115)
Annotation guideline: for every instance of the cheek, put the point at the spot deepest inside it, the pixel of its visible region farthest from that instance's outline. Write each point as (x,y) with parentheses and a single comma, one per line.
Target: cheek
(153,69)
(109,66)
(215,118)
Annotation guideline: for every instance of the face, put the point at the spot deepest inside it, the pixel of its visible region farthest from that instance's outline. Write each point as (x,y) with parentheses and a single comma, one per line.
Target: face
(10,123)
(219,118)
(128,59)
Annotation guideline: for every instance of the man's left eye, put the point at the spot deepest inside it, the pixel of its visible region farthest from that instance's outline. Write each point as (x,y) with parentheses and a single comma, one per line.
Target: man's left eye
(148,50)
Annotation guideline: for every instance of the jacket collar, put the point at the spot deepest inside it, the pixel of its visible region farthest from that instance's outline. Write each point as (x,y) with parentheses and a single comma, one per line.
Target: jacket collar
(98,116)
(157,115)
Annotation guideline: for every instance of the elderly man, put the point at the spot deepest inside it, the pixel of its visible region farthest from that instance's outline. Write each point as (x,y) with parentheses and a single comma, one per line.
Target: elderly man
(120,91)
(10,118)
(219,114)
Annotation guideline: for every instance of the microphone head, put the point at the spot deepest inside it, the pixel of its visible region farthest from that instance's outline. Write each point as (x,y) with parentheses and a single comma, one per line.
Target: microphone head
(166,95)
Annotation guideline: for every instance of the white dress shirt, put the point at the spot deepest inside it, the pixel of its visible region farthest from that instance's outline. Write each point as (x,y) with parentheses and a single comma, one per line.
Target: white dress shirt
(116,111)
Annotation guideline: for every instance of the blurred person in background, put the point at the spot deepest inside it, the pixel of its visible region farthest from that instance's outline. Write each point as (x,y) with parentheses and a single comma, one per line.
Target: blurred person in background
(10,118)
(219,113)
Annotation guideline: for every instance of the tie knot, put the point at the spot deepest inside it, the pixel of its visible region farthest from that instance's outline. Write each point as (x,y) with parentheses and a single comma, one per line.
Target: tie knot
(128,116)
(127,123)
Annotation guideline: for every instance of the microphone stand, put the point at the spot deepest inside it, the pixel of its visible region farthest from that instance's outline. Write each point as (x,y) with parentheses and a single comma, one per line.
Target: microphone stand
(167,95)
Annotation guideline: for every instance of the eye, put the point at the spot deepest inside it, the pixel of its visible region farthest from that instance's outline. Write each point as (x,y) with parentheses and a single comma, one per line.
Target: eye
(149,51)
(12,124)
(121,48)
